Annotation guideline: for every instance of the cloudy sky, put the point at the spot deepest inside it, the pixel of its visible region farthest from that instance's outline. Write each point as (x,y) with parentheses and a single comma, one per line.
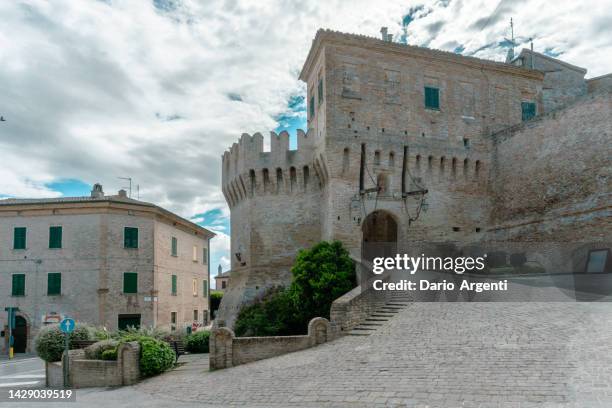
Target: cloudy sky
(155,90)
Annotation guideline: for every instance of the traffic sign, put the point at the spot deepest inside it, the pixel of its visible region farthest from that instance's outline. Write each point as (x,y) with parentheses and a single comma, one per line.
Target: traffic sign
(67,325)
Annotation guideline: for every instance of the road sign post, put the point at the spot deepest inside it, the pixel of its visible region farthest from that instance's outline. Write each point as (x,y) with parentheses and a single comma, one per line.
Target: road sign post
(67,326)
(11,325)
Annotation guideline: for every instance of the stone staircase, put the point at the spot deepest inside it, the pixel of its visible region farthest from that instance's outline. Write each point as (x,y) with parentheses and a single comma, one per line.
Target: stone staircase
(393,305)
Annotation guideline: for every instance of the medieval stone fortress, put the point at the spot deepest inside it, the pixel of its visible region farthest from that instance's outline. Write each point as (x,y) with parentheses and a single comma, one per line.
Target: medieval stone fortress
(425,151)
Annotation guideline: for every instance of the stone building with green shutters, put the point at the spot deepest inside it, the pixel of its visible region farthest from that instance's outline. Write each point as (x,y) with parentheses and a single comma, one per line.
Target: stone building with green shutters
(107,260)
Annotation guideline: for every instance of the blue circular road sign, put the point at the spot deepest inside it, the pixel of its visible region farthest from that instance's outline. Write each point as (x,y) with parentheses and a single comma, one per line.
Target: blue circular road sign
(67,325)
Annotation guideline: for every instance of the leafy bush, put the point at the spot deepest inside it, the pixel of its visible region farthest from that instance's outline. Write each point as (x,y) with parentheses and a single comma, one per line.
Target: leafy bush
(273,314)
(96,350)
(155,356)
(110,354)
(154,332)
(50,340)
(320,275)
(197,342)
(215,301)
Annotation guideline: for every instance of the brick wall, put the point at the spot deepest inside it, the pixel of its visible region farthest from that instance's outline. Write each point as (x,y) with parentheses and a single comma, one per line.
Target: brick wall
(98,373)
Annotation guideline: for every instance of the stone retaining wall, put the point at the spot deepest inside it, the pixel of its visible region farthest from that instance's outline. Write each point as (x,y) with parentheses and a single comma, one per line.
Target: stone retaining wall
(97,373)
(227,350)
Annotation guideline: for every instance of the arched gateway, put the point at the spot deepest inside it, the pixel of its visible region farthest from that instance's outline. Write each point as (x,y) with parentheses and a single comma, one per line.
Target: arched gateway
(379,235)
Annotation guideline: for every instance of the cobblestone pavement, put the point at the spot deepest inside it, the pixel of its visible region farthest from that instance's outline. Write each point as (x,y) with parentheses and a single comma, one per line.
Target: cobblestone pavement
(430,355)
(433,355)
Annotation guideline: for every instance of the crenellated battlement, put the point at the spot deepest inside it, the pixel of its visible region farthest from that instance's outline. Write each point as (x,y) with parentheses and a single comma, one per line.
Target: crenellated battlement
(247,168)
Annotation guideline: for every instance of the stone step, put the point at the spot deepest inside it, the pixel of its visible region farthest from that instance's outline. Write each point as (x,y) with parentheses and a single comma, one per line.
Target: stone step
(360,328)
(359,334)
(371,324)
(381,315)
(369,319)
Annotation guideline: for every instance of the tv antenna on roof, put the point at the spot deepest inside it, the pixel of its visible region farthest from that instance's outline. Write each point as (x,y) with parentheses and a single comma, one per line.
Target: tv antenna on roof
(129,179)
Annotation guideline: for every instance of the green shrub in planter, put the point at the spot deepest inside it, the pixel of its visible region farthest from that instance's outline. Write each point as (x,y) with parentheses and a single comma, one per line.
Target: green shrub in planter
(50,340)
(155,356)
(110,354)
(197,342)
(95,351)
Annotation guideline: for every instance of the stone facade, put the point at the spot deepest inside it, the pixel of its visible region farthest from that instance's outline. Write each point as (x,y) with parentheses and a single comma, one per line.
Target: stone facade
(430,178)
(92,260)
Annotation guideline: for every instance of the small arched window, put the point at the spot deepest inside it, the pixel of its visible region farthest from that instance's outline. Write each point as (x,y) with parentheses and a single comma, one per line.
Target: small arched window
(345,160)
(253,181)
(266,179)
(292,179)
(377,157)
(392,160)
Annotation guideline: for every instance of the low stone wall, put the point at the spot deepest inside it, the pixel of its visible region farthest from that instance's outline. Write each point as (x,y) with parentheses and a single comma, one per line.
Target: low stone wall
(227,350)
(352,308)
(97,373)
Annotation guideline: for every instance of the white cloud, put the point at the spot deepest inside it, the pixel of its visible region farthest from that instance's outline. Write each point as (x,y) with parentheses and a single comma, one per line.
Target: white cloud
(95,90)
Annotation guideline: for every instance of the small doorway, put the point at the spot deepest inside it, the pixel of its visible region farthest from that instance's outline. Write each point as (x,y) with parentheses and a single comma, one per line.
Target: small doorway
(20,335)
(128,320)
(379,235)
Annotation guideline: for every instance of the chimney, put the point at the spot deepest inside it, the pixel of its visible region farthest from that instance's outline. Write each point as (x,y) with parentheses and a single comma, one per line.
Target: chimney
(97,191)
(122,193)
(383,32)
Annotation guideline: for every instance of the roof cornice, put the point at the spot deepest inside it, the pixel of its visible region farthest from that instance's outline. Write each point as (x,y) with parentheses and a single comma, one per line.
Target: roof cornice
(103,204)
(324,37)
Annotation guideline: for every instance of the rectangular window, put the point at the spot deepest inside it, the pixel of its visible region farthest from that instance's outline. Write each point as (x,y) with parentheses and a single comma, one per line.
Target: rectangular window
(195,253)
(172,321)
(432,98)
(19,238)
(223,284)
(54,284)
(528,110)
(174,285)
(205,288)
(18,284)
(320,91)
(55,237)
(194,287)
(312,107)
(205,256)
(597,260)
(130,237)
(195,315)
(130,282)
(174,246)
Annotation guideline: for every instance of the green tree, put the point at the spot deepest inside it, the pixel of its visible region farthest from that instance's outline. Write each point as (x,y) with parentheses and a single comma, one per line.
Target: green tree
(321,274)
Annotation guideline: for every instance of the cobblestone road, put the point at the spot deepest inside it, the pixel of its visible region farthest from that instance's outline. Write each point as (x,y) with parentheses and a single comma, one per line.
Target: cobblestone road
(433,355)
(430,355)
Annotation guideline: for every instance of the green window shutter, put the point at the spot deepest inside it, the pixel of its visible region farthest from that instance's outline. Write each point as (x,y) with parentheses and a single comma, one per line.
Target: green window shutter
(19,238)
(55,237)
(54,284)
(174,246)
(130,237)
(432,98)
(205,256)
(130,282)
(528,110)
(174,284)
(320,91)
(205,288)
(18,284)
(312,107)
